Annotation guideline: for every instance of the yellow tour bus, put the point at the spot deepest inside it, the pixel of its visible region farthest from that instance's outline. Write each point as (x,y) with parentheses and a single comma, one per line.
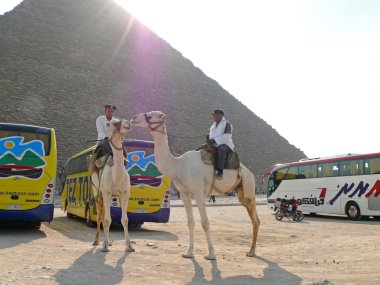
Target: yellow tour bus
(28,167)
(150,195)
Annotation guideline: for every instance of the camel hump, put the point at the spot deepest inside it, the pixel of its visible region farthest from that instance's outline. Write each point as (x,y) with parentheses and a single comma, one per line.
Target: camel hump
(232,158)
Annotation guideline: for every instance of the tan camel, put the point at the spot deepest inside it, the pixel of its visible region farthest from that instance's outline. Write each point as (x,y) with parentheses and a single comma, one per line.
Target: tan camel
(114,179)
(194,179)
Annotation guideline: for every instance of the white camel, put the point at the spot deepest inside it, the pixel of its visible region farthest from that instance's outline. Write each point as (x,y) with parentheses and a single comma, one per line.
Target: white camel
(114,179)
(194,179)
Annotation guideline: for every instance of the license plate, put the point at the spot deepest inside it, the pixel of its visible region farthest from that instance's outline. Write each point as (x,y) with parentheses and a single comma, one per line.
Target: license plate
(14,206)
(141,210)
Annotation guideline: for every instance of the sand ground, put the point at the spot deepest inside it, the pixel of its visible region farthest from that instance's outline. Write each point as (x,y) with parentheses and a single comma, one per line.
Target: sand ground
(319,250)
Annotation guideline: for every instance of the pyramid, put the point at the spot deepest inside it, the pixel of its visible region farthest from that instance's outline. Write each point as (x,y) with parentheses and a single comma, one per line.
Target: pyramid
(62,61)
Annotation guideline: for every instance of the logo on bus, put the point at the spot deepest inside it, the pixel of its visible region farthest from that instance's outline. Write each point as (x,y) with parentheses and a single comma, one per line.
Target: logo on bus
(143,170)
(314,200)
(21,159)
(359,190)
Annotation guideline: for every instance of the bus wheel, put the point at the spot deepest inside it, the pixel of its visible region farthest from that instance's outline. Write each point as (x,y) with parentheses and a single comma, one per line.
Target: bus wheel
(135,225)
(70,216)
(353,211)
(34,225)
(89,223)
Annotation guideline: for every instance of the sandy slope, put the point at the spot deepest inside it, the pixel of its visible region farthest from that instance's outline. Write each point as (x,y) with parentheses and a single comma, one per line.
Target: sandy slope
(319,250)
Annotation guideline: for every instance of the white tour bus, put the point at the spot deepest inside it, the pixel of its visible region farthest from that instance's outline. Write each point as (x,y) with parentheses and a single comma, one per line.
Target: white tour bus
(347,184)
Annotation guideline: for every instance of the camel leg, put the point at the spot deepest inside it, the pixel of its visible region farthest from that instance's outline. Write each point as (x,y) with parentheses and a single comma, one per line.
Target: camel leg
(250,205)
(99,217)
(206,226)
(124,221)
(186,198)
(106,221)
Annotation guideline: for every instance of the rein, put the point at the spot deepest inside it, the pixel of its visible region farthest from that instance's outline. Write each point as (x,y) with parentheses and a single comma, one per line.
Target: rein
(114,146)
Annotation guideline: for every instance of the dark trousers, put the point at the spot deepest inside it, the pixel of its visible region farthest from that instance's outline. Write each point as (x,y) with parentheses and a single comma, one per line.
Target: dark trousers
(104,147)
(220,156)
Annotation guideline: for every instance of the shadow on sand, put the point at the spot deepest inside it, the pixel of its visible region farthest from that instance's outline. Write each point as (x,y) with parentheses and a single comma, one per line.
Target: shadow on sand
(78,230)
(272,274)
(13,234)
(90,268)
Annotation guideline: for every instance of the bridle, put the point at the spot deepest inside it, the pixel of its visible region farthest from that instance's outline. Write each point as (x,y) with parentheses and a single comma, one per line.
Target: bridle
(158,124)
(110,140)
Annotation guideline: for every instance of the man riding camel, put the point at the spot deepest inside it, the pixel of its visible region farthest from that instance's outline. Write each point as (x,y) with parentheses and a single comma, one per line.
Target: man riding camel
(220,136)
(104,146)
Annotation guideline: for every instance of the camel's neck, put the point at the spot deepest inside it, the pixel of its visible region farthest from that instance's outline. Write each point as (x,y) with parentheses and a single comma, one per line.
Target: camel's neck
(117,149)
(166,162)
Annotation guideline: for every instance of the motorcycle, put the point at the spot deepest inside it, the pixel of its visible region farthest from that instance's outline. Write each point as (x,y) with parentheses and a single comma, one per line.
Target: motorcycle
(288,209)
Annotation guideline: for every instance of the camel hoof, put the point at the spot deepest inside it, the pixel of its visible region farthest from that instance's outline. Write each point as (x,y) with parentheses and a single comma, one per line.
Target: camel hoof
(210,257)
(130,249)
(251,254)
(104,249)
(187,255)
(96,242)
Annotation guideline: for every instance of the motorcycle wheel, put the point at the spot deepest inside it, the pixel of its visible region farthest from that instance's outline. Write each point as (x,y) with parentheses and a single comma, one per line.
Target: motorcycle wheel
(279,215)
(298,216)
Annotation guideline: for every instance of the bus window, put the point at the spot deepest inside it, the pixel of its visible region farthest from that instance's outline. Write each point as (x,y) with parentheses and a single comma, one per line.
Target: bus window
(372,165)
(292,173)
(328,169)
(347,167)
(359,165)
(275,179)
(351,167)
(308,171)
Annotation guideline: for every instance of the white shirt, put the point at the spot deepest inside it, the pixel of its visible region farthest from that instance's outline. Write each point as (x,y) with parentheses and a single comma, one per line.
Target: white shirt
(217,133)
(101,127)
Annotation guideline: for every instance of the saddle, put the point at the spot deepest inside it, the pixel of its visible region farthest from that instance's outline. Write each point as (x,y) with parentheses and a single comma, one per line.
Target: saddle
(232,158)
(96,164)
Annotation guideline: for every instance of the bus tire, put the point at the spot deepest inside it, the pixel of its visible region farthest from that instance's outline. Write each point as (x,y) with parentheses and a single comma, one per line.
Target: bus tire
(353,211)
(135,225)
(89,223)
(70,216)
(33,225)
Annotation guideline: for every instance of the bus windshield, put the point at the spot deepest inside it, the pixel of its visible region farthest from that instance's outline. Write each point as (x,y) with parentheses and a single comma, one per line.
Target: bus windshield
(21,135)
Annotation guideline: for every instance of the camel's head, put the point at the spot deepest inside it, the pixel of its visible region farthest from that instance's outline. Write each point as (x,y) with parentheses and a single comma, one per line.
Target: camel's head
(116,126)
(151,120)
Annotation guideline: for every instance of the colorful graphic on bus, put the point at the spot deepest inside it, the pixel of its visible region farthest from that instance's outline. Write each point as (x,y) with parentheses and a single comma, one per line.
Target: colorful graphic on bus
(28,166)
(142,168)
(21,159)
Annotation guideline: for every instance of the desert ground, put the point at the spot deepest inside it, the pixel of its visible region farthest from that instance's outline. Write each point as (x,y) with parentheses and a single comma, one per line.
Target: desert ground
(318,250)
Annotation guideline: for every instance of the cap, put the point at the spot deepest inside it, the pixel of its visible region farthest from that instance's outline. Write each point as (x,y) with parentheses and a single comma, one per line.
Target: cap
(110,106)
(217,111)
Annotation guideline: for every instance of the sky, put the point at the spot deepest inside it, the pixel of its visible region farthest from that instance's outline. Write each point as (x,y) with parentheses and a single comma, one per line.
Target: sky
(309,68)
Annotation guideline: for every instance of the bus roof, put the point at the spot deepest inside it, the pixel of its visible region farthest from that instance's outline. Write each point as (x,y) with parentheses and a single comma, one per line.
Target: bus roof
(24,128)
(126,142)
(322,160)
(138,143)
